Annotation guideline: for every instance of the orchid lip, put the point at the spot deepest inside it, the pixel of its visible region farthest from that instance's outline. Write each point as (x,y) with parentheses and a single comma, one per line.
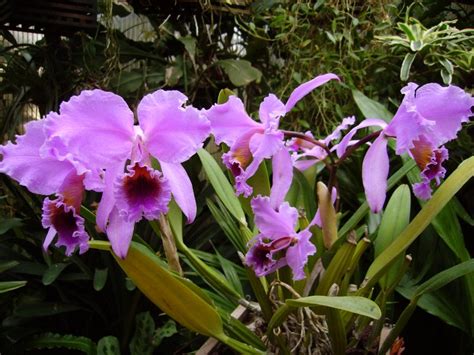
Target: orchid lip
(67,223)
(143,192)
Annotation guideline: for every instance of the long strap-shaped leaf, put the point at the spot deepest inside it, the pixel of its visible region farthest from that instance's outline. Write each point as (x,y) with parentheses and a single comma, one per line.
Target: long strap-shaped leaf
(168,292)
(174,295)
(440,198)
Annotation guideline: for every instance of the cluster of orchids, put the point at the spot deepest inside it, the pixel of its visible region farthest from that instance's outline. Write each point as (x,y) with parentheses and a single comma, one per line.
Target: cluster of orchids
(96,142)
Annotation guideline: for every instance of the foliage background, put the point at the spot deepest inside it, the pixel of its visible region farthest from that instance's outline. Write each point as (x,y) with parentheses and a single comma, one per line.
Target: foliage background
(269,46)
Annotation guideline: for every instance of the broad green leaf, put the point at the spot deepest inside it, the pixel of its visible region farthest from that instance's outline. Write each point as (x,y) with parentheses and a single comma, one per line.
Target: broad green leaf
(406,66)
(371,108)
(165,331)
(417,45)
(190,45)
(353,304)
(408,31)
(240,71)
(8,223)
(108,345)
(7,286)
(64,341)
(440,198)
(338,266)
(438,305)
(221,185)
(224,95)
(445,277)
(175,217)
(100,278)
(44,309)
(5,265)
(172,296)
(53,272)
(142,340)
(446,224)
(395,218)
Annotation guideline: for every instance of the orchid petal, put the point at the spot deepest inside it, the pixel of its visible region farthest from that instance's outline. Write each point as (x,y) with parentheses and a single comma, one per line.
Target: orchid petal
(181,188)
(447,106)
(173,133)
(305,88)
(262,146)
(230,120)
(375,173)
(266,145)
(49,238)
(422,190)
(120,233)
(63,219)
(345,142)
(297,255)
(22,162)
(272,223)
(96,126)
(107,201)
(282,177)
(336,134)
(270,111)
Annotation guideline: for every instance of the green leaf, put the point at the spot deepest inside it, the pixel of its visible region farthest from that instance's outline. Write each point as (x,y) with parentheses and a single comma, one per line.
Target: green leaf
(190,45)
(5,265)
(408,30)
(7,286)
(439,306)
(142,340)
(108,345)
(221,185)
(395,218)
(165,331)
(240,71)
(446,76)
(127,82)
(52,273)
(67,341)
(224,95)
(406,66)
(100,278)
(227,224)
(445,277)
(353,304)
(161,287)
(447,225)
(371,108)
(417,45)
(8,223)
(44,309)
(440,198)
(230,273)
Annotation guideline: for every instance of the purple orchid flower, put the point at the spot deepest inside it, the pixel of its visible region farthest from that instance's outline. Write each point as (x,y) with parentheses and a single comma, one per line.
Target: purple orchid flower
(279,244)
(41,172)
(306,154)
(98,127)
(251,142)
(428,117)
